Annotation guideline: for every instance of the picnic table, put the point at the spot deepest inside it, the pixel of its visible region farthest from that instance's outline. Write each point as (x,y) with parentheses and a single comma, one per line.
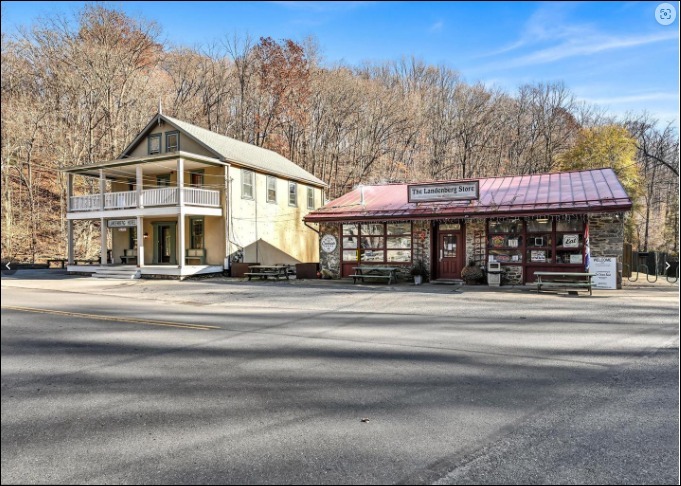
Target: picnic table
(265,271)
(374,272)
(564,280)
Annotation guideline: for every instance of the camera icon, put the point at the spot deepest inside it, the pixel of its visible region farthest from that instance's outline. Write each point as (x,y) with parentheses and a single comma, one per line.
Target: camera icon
(665,13)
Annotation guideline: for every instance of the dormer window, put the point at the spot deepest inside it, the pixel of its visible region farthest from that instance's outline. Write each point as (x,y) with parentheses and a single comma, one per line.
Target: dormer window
(154,144)
(172,141)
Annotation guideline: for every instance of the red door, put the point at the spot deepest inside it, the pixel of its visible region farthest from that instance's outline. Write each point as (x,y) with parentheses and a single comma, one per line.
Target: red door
(450,255)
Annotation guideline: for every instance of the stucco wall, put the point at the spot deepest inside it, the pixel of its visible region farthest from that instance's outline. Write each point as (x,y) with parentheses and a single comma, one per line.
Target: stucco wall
(277,224)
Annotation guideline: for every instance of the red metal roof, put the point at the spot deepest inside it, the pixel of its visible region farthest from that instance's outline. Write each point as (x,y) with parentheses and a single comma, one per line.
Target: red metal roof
(596,190)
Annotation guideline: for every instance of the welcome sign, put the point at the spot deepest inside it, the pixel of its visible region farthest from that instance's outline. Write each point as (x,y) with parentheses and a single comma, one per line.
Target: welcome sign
(445,191)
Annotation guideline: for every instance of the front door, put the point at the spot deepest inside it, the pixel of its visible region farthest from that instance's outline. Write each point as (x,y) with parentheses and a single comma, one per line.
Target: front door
(449,254)
(164,243)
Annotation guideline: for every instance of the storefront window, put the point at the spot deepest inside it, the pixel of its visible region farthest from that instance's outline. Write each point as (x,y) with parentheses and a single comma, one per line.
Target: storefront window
(377,242)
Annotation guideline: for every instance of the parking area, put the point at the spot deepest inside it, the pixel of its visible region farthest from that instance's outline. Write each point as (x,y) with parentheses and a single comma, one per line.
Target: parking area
(221,381)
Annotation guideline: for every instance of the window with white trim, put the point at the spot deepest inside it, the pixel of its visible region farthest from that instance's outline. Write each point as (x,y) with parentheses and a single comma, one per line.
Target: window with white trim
(271,189)
(310,198)
(292,194)
(247,179)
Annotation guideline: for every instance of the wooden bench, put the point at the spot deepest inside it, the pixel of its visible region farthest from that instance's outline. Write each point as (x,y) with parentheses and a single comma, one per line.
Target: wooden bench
(371,272)
(61,261)
(129,254)
(564,281)
(196,254)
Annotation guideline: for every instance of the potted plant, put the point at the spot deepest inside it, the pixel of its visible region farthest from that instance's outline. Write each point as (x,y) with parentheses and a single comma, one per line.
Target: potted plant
(472,273)
(420,272)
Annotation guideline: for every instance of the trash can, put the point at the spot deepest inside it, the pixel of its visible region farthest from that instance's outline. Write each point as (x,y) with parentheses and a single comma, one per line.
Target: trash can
(494,274)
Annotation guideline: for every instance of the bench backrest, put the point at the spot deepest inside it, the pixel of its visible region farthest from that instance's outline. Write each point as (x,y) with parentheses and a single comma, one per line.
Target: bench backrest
(130,252)
(196,252)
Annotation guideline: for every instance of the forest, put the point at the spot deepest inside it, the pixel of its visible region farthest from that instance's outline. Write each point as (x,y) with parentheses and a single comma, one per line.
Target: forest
(77,92)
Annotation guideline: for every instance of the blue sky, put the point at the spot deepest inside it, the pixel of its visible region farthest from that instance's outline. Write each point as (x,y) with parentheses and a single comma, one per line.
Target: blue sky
(614,54)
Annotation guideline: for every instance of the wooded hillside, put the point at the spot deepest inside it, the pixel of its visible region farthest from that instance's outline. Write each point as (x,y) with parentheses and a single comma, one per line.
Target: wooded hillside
(78,95)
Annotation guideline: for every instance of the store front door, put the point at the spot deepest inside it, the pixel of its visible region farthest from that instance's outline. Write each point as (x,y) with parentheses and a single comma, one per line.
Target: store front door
(449,254)
(165,243)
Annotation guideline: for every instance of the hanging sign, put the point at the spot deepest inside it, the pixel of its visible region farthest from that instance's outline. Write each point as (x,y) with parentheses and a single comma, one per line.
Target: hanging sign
(121,223)
(605,269)
(328,243)
(443,191)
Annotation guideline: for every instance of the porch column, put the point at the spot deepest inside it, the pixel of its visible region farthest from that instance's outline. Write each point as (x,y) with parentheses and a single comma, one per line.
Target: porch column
(69,190)
(180,236)
(102,188)
(139,184)
(140,242)
(103,256)
(71,250)
(180,182)
(180,219)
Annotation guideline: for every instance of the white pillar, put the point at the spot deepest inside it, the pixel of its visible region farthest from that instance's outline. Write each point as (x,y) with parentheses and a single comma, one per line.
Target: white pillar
(139,184)
(103,255)
(71,249)
(102,188)
(69,190)
(180,237)
(180,182)
(140,242)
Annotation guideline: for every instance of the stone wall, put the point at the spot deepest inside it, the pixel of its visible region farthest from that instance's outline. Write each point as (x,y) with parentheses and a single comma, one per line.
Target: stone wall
(606,238)
(421,236)
(329,263)
(473,227)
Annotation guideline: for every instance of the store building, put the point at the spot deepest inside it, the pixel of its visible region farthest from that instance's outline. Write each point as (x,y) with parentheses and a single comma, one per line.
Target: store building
(182,201)
(540,222)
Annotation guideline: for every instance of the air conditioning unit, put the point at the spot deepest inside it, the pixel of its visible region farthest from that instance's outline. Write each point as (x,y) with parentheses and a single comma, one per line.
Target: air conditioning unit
(494,274)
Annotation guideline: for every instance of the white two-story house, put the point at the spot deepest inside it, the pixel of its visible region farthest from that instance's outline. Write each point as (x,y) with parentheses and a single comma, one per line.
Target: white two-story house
(182,200)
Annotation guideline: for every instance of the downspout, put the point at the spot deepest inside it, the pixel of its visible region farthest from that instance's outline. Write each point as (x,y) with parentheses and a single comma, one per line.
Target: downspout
(316,231)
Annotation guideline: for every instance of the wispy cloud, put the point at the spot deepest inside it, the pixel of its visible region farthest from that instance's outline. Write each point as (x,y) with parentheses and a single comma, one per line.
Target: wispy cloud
(586,46)
(635,98)
(437,26)
(550,36)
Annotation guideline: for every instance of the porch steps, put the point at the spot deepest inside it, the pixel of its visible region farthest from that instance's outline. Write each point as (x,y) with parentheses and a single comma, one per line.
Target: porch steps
(120,272)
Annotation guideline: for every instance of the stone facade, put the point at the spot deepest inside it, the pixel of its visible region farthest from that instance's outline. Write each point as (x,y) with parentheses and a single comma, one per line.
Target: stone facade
(421,241)
(330,262)
(476,227)
(606,238)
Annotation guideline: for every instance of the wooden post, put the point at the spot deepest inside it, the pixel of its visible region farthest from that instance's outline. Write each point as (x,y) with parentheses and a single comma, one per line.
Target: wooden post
(139,184)
(103,256)
(71,249)
(181,217)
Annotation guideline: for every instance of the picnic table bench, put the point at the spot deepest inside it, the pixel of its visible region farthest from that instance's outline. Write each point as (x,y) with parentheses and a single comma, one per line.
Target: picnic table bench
(564,280)
(373,273)
(265,271)
(61,261)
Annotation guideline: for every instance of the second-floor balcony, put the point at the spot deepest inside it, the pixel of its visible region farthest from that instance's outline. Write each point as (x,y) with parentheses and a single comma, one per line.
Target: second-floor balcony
(162,196)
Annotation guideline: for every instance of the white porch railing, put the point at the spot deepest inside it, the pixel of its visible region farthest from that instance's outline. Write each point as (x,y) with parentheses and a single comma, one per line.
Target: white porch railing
(91,202)
(164,196)
(120,200)
(201,197)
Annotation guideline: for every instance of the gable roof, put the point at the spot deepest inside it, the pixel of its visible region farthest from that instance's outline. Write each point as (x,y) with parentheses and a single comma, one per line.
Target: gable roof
(234,151)
(556,193)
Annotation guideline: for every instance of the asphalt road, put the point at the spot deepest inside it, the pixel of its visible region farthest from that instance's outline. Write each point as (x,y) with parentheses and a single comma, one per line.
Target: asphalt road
(221,382)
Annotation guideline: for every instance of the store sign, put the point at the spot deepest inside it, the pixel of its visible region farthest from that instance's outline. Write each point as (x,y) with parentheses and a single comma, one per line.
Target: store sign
(446,191)
(605,269)
(121,223)
(328,243)
(571,241)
